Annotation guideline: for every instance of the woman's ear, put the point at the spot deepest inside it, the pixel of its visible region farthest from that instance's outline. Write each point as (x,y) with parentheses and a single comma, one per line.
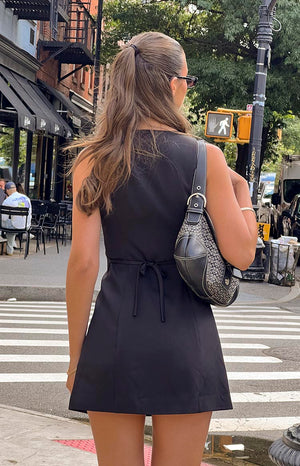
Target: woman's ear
(173,84)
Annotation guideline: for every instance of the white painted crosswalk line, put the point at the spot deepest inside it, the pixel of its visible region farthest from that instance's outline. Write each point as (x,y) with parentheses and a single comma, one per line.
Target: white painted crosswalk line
(266,397)
(34,358)
(56,343)
(33,377)
(245,327)
(252,317)
(257,336)
(32,322)
(20,314)
(21,330)
(248,346)
(290,375)
(252,359)
(286,323)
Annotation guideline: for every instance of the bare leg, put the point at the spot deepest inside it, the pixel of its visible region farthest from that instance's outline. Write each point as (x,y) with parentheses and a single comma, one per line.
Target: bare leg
(119,438)
(179,439)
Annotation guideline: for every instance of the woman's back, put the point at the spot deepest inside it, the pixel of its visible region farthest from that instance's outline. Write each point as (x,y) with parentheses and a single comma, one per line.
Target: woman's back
(149,209)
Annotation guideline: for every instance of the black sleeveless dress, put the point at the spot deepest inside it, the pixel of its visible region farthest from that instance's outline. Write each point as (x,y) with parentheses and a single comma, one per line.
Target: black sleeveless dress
(152,346)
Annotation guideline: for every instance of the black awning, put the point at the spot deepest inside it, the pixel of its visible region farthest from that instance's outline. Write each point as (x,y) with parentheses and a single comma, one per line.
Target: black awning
(79,119)
(21,86)
(34,102)
(61,127)
(25,118)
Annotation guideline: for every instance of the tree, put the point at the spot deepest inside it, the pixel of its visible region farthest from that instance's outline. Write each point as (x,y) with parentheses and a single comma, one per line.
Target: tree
(219,38)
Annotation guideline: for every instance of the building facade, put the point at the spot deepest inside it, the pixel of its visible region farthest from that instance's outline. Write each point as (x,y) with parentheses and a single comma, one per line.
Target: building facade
(46,89)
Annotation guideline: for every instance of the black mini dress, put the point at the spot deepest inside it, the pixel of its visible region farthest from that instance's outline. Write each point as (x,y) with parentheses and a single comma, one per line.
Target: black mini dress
(152,346)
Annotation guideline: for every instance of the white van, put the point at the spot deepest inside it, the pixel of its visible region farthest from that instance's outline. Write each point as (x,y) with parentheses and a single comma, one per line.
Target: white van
(287,185)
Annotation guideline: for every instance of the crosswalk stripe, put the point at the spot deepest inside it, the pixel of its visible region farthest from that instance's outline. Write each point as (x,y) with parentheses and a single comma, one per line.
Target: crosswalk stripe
(250,346)
(265,397)
(32,322)
(275,311)
(257,322)
(34,343)
(34,358)
(35,311)
(21,330)
(252,359)
(251,424)
(33,377)
(10,314)
(260,317)
(290,375)
(245,327)
(258,336)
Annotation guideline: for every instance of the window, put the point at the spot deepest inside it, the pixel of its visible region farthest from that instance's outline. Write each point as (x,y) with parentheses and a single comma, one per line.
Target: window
(32,34)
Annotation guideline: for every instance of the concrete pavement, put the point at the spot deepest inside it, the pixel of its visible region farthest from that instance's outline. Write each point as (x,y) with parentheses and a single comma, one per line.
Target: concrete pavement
(35,439)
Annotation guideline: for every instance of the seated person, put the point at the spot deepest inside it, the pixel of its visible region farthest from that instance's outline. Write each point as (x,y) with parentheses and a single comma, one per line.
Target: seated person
(2,190)
(14,199)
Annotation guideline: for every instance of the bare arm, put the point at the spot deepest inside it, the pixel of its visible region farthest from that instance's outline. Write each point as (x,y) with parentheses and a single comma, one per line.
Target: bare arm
(82,271)
(227,192)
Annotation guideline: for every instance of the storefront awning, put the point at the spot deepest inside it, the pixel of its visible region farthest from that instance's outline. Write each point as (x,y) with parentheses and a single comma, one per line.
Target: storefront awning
(45,118)
(25,119)
(78,118)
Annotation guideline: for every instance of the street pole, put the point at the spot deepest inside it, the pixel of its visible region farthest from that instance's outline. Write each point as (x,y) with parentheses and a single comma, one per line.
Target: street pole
(97,57)
(264,39)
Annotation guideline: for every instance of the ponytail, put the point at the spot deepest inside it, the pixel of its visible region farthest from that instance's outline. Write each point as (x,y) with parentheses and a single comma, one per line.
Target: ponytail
(139,90)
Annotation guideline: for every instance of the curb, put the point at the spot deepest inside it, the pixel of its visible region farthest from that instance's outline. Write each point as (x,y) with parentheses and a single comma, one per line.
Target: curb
(35,293)
(36,413)
(292,294)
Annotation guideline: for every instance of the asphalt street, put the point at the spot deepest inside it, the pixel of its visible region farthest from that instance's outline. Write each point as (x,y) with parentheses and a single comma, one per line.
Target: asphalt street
(261,352)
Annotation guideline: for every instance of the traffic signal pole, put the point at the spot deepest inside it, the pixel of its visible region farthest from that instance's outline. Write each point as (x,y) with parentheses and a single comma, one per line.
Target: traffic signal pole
(264,39)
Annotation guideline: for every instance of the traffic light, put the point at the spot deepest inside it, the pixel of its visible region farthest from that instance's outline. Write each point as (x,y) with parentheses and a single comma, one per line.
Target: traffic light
(218,125)
(244,127)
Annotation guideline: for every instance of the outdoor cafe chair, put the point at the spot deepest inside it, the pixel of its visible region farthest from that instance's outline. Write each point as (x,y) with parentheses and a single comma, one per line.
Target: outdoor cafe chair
(51,221)
(39,211)
(16,212)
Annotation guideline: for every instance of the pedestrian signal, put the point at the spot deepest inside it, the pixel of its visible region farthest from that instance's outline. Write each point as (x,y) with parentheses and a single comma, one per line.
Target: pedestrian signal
(218,125)
(244,127)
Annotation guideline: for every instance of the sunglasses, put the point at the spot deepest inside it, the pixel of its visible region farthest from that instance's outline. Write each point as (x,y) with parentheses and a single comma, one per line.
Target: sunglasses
(191,81)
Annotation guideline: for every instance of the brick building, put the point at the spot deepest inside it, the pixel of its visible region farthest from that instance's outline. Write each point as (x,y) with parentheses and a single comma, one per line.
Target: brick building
(46,88)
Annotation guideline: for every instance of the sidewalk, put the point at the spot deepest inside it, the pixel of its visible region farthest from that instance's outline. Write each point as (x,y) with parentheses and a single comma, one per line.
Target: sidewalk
(33,439)
(42,277)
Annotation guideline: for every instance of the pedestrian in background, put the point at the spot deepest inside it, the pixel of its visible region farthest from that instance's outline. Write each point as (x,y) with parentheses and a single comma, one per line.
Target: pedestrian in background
(2,190)
(152,347)
(20,188)
(14,199)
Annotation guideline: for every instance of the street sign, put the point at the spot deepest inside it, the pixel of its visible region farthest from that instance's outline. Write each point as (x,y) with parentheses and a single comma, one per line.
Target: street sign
(263,230)
(249,107)
(218,125)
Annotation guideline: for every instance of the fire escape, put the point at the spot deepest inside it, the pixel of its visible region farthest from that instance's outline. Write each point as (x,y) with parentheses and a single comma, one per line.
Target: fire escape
(78,38)
(39,10)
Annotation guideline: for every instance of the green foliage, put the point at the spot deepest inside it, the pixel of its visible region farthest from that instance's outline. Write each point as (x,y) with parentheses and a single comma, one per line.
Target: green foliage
(219,38)
(7,144)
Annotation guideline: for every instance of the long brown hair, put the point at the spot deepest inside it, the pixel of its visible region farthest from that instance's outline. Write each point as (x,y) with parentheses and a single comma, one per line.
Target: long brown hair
(139,90)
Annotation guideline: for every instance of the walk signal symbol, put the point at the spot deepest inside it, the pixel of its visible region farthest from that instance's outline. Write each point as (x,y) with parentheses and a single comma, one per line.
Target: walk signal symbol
(218,125)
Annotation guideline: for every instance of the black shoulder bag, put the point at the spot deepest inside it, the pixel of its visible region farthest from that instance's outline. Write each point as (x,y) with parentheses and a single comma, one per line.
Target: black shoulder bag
(197,255)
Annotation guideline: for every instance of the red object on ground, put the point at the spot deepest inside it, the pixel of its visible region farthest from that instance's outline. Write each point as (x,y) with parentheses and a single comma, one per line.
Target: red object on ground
(89,445)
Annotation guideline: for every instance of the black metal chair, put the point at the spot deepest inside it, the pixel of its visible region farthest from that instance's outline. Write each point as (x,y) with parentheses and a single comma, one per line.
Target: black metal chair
(11,213)
(51,221)
(65,221)
(39,211)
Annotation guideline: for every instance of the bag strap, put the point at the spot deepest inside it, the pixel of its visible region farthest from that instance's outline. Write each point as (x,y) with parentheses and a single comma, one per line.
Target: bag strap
(197,200)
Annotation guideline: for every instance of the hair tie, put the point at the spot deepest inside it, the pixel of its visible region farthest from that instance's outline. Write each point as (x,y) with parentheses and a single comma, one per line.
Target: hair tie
(136,49)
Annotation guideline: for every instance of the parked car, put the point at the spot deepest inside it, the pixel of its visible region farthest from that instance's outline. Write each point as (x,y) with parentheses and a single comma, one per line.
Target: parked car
(266,193)
(287,185)
(290,219)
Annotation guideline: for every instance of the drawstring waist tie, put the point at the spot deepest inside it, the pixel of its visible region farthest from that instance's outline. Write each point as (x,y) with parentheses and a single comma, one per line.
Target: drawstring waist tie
(141,270)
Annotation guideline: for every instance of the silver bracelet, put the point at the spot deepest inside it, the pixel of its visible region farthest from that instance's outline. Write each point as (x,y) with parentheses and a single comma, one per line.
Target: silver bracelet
(248,208)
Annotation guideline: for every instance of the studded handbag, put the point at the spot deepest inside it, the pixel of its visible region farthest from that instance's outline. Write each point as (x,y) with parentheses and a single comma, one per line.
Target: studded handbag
(196,254)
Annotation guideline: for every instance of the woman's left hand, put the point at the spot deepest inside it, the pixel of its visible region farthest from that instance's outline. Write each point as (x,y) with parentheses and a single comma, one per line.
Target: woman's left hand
(70,382)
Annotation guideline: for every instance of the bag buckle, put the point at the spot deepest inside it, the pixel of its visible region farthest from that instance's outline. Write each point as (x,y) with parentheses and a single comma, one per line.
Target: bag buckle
(197,194)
